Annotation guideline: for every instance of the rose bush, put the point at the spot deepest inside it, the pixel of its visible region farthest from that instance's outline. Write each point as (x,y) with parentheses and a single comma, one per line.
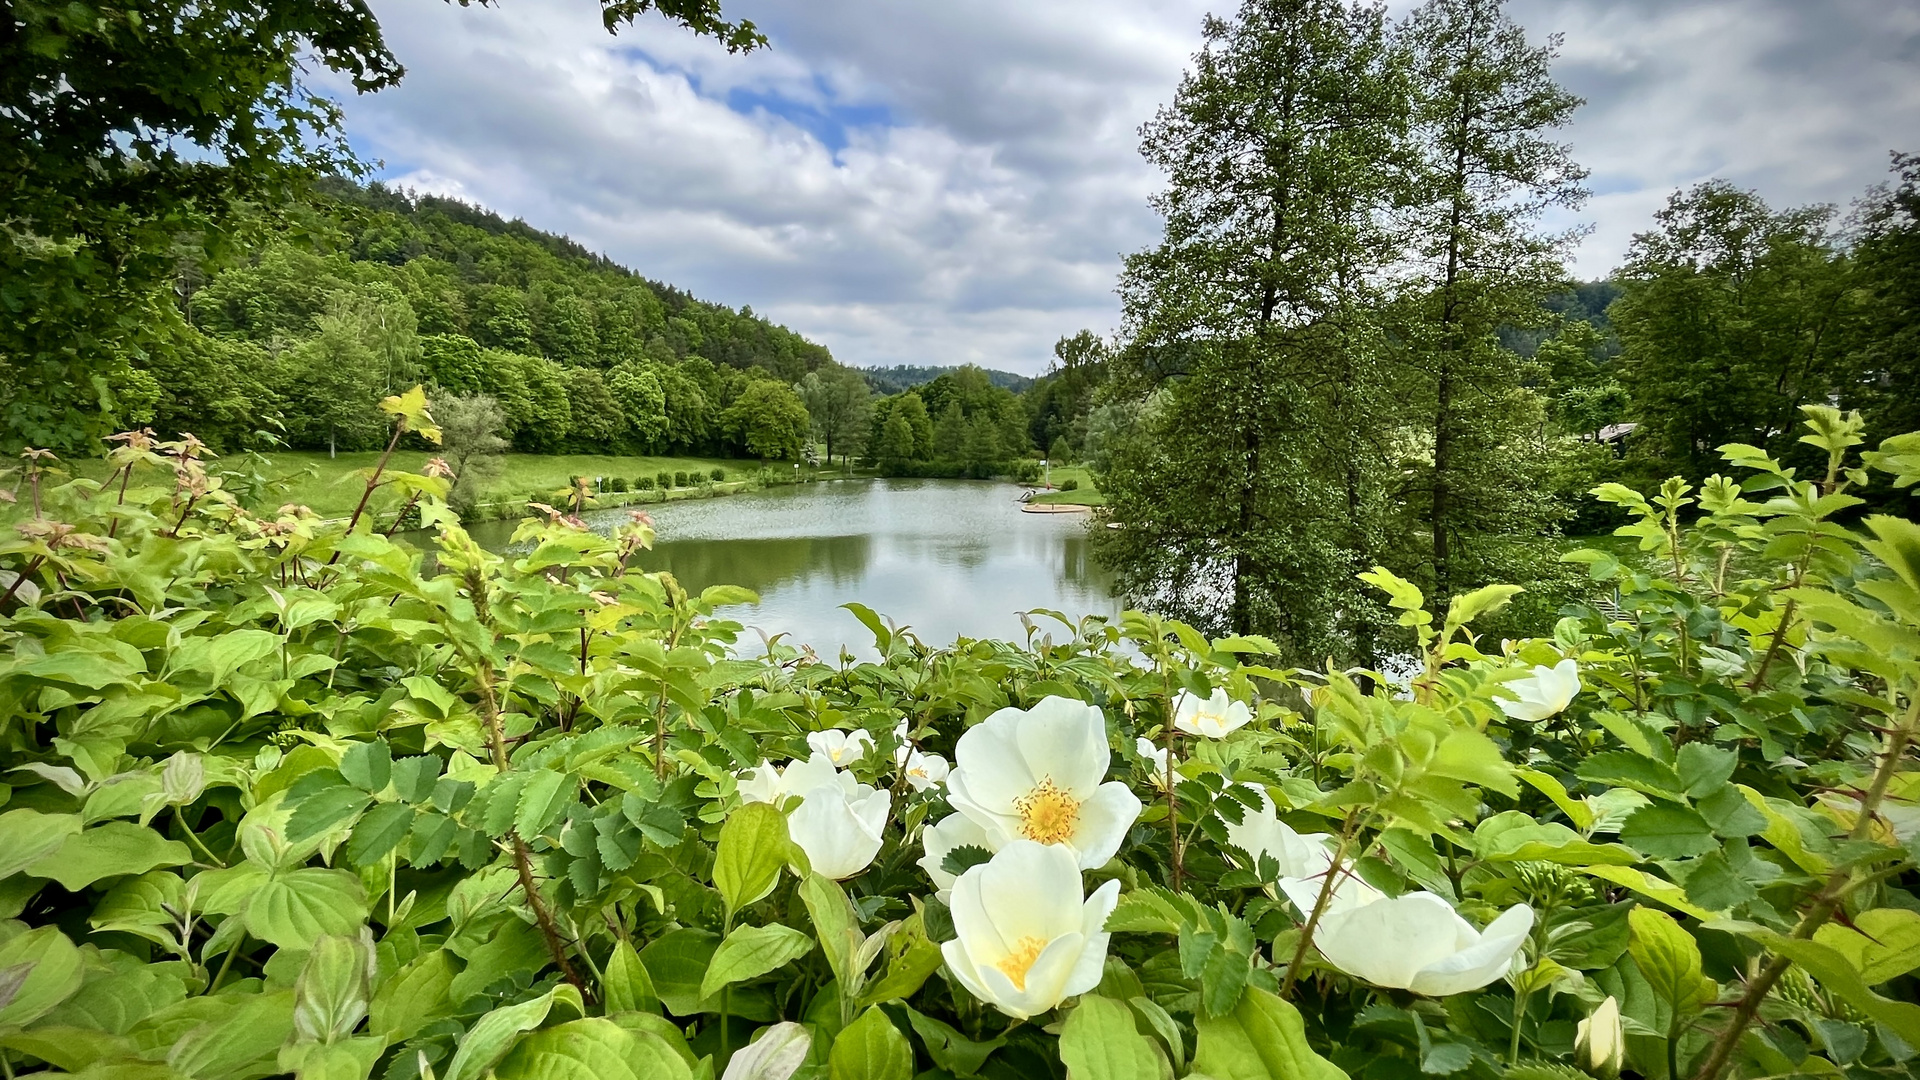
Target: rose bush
(284,795)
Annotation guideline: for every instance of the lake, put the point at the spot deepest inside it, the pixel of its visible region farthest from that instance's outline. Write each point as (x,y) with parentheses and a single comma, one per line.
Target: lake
(945,557)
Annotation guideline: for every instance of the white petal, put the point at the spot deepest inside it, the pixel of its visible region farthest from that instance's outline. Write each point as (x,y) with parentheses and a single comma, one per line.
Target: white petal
(952,831)
(1031,890)
(964,969)
(1389,941)
(973,923)
(1052,971)
(1066,740)
(1481,962)
(1086,975)
(988,764)
(1002,825)
(1103,824)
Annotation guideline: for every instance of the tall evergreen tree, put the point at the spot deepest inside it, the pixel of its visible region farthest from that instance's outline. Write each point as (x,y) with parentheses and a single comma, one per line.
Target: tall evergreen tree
(1246,311)
(1484,171)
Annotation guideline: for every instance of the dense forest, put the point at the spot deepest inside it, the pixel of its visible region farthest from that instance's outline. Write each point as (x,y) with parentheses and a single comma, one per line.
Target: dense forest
(297,338)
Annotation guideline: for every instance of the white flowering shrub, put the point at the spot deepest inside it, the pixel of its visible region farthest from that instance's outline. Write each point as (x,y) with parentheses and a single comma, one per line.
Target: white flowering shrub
(287,796)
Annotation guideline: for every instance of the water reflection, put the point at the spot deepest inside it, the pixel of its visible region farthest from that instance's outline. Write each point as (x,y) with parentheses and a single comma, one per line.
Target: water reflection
(946,557)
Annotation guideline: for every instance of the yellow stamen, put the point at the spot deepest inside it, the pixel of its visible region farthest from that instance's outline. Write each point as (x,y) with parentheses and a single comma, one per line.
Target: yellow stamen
(1017,963)
(1048,814)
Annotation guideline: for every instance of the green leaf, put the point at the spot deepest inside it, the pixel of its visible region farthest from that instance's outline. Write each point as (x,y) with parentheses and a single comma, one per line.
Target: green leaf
(43,969)
(1882,944)
(294,908)
(1730,815)
(1843,979)
(1513,836)
(949,1049)
(1665,831)
(379,832)
(27,835)
(911,958)
(1100,1042)
(244,1039)
(115,849)
(1714,884)
(1263,1039)
(1482,601)
(414,778)
(367,765)
(750,952)
(330,996)
(414,997)
(1669,958)
(870,1048)
(543,800)
(320,809)
(965,857)
(592,1049)
(628,987)
(1705,769)
(1631,770)
(834,923)
(751,850)
(491,1036)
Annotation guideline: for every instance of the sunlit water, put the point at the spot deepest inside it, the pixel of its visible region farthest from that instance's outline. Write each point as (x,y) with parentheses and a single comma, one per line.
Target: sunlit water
(945,557)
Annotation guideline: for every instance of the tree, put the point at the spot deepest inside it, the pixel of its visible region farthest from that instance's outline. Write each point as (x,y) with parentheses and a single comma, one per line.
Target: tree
(769,421)
(1247,326)
(1484,171)
(453,362)
(334,383)
(1887,267)
(1733,316)
(894,448)
(949,433)
(470,442)
(124,132)
(841,406)
(642,403)
(595,421)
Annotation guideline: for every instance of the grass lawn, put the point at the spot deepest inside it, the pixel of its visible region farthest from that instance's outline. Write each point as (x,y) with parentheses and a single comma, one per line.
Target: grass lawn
(331,487)
(1086,494)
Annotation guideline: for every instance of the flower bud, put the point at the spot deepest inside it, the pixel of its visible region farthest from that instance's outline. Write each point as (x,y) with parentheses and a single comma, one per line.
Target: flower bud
(1599,1043)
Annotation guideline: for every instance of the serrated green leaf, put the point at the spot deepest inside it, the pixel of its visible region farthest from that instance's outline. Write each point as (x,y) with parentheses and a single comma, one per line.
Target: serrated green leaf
(1100,1042)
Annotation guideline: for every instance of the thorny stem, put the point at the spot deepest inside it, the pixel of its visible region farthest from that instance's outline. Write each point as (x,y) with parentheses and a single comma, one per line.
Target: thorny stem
(1320,902)
(399,429)
(522,857)
(1825,903)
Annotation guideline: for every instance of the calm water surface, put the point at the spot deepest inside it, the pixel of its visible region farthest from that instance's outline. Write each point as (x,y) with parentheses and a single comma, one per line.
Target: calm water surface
(946,557)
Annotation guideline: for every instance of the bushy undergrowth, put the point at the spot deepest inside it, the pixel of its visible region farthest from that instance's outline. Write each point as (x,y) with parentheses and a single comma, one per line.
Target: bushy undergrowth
(285,797)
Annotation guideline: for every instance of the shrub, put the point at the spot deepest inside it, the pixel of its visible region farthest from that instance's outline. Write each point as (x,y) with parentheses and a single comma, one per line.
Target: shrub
(664,479)
(618,484)
(643,483)
(1717,759)
(718,475)
(1069,484)
(1026,472)
(680,479)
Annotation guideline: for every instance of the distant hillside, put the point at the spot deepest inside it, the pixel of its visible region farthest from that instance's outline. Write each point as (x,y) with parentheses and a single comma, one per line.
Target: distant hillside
(892,380)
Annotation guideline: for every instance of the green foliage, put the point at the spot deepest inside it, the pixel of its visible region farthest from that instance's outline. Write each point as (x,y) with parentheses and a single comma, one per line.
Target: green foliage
(282,794)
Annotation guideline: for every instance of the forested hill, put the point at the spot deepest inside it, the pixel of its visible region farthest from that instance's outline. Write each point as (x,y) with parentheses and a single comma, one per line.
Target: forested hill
(893,380)
(304,331)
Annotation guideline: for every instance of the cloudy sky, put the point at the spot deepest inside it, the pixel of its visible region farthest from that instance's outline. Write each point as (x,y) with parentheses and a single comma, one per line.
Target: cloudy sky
(942,183)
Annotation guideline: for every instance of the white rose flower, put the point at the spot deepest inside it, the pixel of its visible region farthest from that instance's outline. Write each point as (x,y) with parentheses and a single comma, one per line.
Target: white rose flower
(839,826)
(952,831)
(1543,693)
(1261,832)
(782,787)
(1599,1041)
(841,747)
(1026,939)
(1036,775)
(921,770)
(1156,762)
(1215,718)
(1417,942)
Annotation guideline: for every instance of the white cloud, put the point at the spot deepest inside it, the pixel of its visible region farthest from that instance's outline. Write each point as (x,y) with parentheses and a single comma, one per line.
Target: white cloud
(940,183)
